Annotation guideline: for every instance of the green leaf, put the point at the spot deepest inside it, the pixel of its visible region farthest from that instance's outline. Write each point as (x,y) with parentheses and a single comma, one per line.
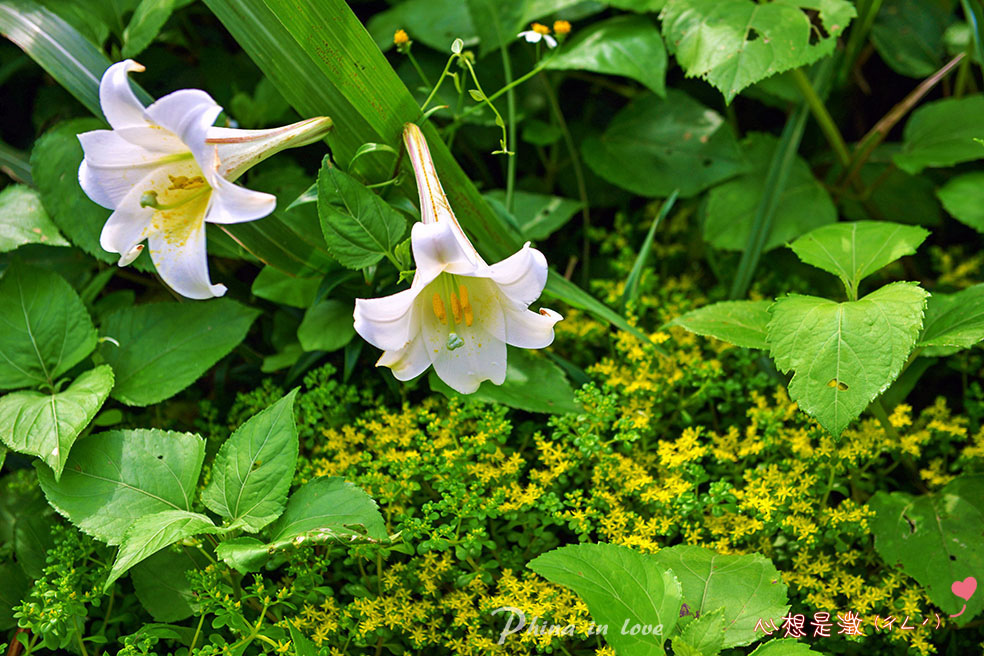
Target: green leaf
(253,469)
(936,538)
(360,228)
(656,145)
(325,510)
(113,479)
(942,133)
(746,586)
(803,205)
(147,21)
(24,221)
(533,383)
(853,251)
(279,287)
(702,636)
(742,323)
(622,588)
(148,535)
(638,6)
(735,43)
(327,326)
(844,354)
(537,215)
(435,23)
(165,347)
(497,23)
(46,425)
(954,321)
(624,45)
(784,647)
(44,328)
(908,34)
(963,198)
(12,593)
(167,598)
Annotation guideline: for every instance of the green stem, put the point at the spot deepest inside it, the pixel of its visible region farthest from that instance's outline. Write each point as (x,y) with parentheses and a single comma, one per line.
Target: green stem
(440,80)
(78,634)
(198,630)
(416,67)
(510,144)
(881,414)
(505,89)
(822,116)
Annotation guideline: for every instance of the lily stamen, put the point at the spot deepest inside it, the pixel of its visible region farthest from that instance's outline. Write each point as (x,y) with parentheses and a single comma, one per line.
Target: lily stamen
(439,310)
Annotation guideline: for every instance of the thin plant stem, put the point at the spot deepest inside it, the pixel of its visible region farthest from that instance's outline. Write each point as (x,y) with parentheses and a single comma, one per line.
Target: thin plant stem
(822,116)
(510,144)
(416,67)
(198,630)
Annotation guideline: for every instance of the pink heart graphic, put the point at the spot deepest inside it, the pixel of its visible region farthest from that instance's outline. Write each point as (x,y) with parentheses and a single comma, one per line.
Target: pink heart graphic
(965,589)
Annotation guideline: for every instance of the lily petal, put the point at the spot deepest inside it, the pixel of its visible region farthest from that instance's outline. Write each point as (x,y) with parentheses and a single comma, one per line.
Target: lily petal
(408,362)
(179,254)
(125,229)
(234,204)
(436,248)
(528,329)
(521,276)
(119,104)
(386,323)
(481,357)
(238,150)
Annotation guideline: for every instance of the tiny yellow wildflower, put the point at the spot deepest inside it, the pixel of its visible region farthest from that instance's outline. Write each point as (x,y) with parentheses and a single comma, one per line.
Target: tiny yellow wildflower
(540,28)
(562,27)
(401,38)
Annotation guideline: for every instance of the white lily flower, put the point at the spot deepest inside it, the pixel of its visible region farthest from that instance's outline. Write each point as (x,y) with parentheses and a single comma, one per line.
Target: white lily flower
(459,312)
(165,170)
(537,33)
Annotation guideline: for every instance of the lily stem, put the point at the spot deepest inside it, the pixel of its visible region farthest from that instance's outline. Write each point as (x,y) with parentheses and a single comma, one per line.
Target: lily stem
(510,144)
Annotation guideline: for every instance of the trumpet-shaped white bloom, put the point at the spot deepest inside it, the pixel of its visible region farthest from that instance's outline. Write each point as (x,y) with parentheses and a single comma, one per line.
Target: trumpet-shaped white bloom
(459,312)
(165,170)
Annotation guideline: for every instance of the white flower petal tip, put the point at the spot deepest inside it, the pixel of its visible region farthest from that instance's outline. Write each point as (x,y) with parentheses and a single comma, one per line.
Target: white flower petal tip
(459,313)
(164,170)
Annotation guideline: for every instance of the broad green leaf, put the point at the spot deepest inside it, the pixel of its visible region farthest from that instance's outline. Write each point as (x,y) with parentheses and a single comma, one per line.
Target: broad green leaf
(151,533)
(735,43)
(784,647)
(497,23)
(803,205)
(625,45)
(253,469)
(656,145)
(55,162)
(702,636)
(360,228)
(12,592)
(963,198)
(844,354)
(954,321)
(894,193)
(942,133)
(279,287)
(44,328)
(146,22)
(327,326)
(639,6)
(621,587)
(853,251)
(296,45)
(936,538)
(113,479)
(746,586)
(167,598)
(24,221)
(742,323)
(46,425)
(165,347)
(323,510)
(533,383)
(538,215)
(908,34)
(434,23)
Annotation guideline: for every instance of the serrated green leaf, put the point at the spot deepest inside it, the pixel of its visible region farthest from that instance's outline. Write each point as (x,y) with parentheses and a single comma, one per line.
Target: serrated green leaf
(908,34)
(147,20)
(12,592)
(151,533)
(784,647)
(742,323)
(803,205)
(46,425)
(323,510)
(703,636)
(24,221)
(936,538)
(844,354)
(254,467)
(165,347)
(852,251)
(963,198)
(656,145)
(113,479)
(537,215)
(954,321)
(746,586)
(624,45)
(942,133)
(167,598)
(735,43)
(621,587)
(360,228)
(45,329)
(327,326)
